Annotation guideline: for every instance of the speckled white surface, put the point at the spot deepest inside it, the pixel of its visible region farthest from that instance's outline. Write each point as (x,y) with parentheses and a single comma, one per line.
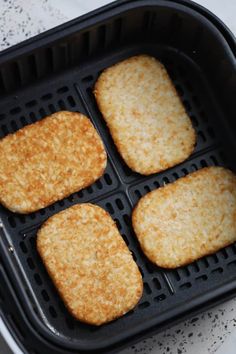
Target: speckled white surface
(211,332)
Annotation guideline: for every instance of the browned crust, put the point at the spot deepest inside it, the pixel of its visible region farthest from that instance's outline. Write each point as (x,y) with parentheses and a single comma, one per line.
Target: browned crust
(163,257)
(109,116)
(90,264)
(47,161)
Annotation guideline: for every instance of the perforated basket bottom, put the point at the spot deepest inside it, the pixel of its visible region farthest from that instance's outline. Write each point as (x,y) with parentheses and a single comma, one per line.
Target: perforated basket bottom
(118,191)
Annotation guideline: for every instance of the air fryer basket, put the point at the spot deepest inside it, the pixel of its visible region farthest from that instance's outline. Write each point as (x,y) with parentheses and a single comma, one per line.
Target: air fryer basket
(57,71)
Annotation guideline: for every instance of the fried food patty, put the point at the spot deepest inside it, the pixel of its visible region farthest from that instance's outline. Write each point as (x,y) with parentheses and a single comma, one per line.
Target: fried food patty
(188,219)
(49,160)
(90,264)
(145,116)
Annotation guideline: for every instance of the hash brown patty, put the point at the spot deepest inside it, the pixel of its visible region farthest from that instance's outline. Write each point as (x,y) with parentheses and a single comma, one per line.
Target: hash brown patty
(90,264)
(145,116)
(188,219)
(49,160)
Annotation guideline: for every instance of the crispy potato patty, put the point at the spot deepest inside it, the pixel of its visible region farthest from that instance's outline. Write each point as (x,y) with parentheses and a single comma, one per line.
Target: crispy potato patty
(188,219)
(90,264)
(48,160)
(145,116)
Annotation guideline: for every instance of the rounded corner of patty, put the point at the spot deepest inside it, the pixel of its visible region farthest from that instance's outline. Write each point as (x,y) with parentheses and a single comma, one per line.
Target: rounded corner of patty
(90,264)
(48,160)
(187,219)
(145,115)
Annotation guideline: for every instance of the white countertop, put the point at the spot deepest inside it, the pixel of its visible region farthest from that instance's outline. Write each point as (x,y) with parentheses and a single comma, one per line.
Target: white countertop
(203,334)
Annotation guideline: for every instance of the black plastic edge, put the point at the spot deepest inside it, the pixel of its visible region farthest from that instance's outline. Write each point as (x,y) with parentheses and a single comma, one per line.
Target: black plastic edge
(85,20)
(210,304)
(222,27)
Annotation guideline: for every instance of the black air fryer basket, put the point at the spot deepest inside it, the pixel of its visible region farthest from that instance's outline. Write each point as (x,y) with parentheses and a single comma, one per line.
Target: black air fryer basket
(56,71)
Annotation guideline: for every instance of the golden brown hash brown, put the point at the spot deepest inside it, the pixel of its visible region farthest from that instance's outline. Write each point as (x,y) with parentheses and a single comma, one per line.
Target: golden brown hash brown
(188,219)
(90,264)
(49,160)
(145,116)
